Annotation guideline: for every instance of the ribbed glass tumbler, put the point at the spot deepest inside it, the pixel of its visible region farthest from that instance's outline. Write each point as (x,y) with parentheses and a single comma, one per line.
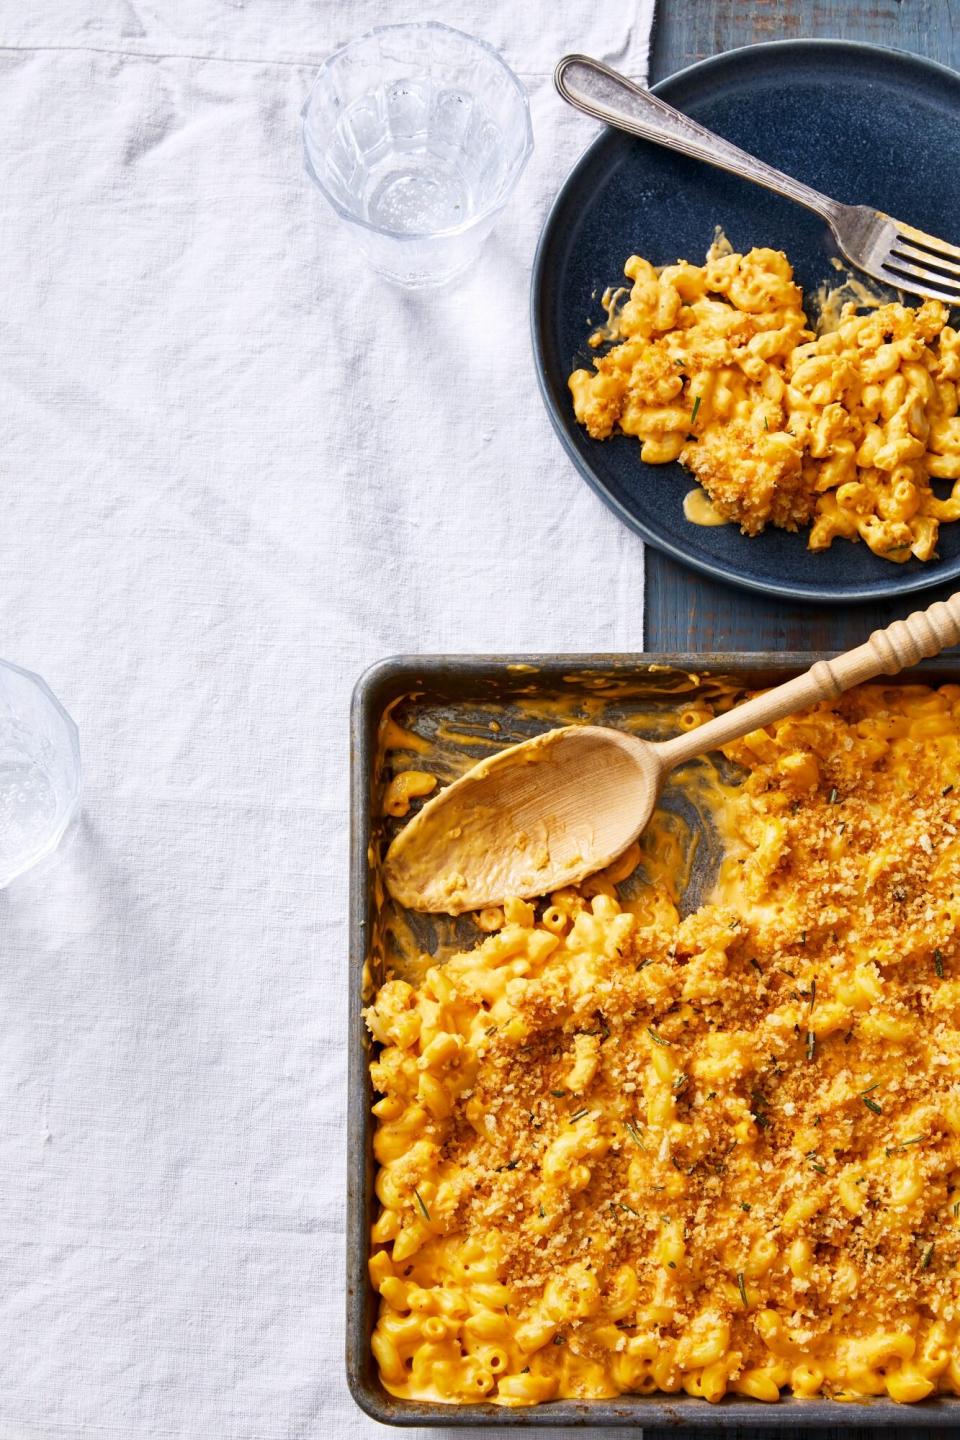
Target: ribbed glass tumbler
(39,771)
(417,135)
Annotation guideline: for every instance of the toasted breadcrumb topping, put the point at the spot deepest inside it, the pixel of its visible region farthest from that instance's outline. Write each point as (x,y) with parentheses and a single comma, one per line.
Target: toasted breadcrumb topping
(628,1151)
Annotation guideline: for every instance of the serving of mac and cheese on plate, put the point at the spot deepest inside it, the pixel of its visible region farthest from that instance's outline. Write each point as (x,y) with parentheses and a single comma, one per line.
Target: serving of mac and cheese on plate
(853,432)
(625,1151)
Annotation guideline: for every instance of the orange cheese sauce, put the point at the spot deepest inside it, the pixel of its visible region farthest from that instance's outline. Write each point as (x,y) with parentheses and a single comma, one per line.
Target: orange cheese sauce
(689,1127)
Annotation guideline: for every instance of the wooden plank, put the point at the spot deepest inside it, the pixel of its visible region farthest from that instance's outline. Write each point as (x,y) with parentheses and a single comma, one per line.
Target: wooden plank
(688,30)
(685,611)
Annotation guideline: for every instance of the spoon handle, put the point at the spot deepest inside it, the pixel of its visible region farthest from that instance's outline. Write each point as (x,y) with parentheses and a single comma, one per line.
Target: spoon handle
(922,634)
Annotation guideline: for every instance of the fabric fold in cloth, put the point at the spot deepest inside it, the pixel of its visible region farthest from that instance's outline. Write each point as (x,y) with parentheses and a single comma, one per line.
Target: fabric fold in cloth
(239,470)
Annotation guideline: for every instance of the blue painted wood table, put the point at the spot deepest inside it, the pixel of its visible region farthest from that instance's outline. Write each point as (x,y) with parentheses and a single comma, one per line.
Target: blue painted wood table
(684,610)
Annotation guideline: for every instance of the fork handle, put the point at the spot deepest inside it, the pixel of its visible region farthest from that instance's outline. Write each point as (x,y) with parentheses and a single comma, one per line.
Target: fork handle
(604,94)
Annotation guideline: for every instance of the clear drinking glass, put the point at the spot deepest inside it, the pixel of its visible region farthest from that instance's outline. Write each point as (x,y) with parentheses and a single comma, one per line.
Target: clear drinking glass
(39,771)
(417,135)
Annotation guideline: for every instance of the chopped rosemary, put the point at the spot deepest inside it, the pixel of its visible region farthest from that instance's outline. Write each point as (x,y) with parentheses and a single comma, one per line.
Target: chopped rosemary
(803,937)
(927,1256)
(872,1105)
(761,1120)
(712,1095)
(543,1213)
(696,407)
(680,1081)
(629,1208)
(741,1286)
(490,1029)
(656,1037)
(811,1044)
(938,963)
(631,1128)
(816,1165)
(946,790)
(765,425)
(644,963)
(833,796)
(423,1209)
(559,1340)
(579,1114)
(559,1093)
(757,966)
(841,827)
(813,993)
(745,1206)
(895,1149)
(870,1088)
(671,1264)
(956,1208)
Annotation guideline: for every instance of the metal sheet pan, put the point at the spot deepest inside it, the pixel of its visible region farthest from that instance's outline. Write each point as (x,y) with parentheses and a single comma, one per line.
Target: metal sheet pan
(455,686)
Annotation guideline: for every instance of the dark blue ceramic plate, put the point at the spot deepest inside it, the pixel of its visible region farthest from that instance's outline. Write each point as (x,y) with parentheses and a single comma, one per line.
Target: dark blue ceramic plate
(863,124)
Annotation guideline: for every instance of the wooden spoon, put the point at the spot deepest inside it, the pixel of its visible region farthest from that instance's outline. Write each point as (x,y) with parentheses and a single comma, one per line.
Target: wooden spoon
(552,810)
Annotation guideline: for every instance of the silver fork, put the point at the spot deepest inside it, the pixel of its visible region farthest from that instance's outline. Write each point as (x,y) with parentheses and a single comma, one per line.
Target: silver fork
(890,251)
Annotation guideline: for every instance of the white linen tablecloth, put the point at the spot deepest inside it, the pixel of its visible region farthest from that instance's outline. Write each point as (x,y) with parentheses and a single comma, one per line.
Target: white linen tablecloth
(237,470)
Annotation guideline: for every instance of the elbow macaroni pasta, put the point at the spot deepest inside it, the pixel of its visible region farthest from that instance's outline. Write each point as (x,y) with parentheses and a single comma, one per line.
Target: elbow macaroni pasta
(623,1152)
(846,431)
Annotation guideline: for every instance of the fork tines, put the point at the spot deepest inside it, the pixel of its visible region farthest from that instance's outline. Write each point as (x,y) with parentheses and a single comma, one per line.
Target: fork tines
(921,259)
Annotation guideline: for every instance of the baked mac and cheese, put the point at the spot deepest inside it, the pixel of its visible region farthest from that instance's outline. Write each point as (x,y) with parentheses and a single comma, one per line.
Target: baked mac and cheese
(847,431)
(620,1151)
